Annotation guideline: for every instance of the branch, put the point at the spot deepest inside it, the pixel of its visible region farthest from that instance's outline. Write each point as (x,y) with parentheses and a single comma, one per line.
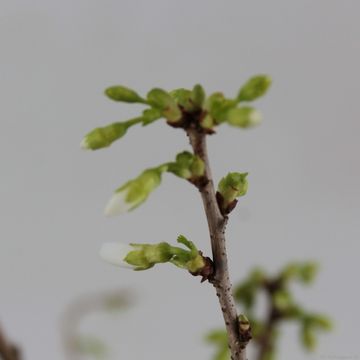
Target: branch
(8,351)
(238,338)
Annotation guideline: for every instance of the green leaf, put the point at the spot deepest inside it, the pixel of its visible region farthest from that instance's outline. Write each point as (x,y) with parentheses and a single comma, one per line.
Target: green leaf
(254,88)
(124,94)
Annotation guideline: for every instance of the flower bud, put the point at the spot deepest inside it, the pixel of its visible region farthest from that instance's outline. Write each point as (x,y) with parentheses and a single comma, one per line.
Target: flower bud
(104,136)
(244,323)
(183,99)
(134,192)
(150,115)
(135,256)
(198,96)
(244,117)
(187,166)
(122,93)
(145,256)
(254,88)
(162,100)
(218,106)
(230,187)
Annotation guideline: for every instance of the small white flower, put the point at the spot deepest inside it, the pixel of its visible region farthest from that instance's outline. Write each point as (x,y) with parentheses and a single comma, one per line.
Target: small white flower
(115,253)
(117,204)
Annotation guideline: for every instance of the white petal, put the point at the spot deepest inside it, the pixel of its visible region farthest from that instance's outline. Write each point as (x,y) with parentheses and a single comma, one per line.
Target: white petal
(85,144)
(117,204)
(115,253)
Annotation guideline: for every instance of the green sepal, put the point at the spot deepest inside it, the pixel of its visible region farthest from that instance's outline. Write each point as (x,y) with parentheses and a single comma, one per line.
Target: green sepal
(254,88)
(124,94)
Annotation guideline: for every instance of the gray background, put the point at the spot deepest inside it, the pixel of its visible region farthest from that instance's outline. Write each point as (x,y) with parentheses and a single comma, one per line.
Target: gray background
(56,59)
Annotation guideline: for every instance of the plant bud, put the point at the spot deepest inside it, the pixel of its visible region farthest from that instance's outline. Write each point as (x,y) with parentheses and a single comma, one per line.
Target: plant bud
(244,117)
(198,96)
(163,101)
(230,187)
(183,99)
(187,166)
(254,88)
(124,94)
(134,192)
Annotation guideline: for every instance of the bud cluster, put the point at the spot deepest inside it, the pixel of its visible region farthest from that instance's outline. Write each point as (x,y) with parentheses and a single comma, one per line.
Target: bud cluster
(183,108)
(145,256)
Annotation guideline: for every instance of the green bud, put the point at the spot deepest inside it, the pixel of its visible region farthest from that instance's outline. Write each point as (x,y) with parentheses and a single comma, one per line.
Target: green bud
(305,272)
(230,187)
(198,96)
(244,323)
(122,93)
(218,106)
(187,166)
(207,121)
(183,99)
(146,256)
(163,101)
(134,192)
(244,117)
(254,88)
(104,136)
(282,300)
(150,115)
(308,338)
(308,272)
(319,321)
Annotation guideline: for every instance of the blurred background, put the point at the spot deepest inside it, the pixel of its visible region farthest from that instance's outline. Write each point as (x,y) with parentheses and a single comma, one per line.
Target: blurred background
(303,202)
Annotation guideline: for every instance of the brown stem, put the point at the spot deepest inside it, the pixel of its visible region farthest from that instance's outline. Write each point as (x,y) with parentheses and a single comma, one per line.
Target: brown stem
(217,224)
(8,351)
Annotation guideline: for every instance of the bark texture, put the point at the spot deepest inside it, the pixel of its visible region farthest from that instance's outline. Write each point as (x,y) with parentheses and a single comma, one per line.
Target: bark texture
(238,339)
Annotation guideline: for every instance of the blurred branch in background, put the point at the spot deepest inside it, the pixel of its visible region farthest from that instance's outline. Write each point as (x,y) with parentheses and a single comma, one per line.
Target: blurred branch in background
(77,345)
(8,350)
(281,307)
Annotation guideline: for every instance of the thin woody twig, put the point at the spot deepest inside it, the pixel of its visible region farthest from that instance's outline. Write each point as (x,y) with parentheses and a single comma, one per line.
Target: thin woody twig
(217,224)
